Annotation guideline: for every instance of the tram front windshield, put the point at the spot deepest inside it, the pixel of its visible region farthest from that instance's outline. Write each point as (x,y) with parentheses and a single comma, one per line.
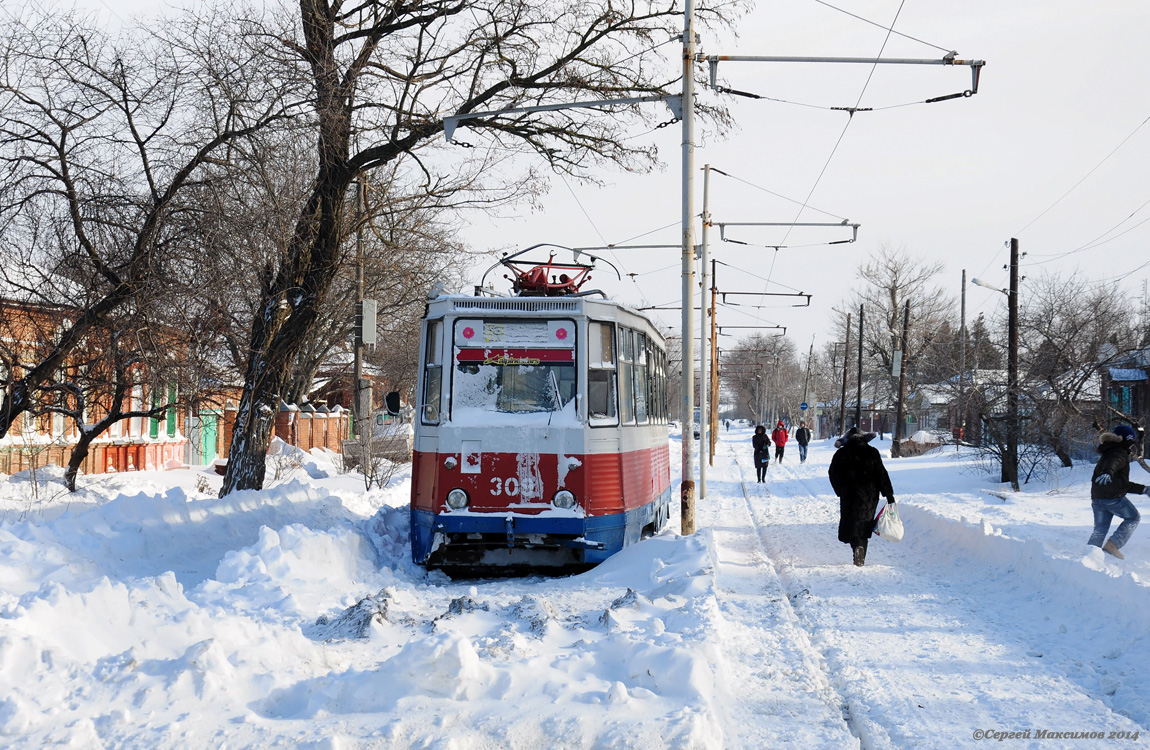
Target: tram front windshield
(514,388)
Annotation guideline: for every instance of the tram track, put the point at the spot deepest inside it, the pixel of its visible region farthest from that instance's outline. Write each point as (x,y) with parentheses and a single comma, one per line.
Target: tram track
(790,591)
(941,619)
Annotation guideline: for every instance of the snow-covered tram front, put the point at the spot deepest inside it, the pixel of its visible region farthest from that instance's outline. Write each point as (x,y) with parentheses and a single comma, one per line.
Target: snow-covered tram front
(541,438)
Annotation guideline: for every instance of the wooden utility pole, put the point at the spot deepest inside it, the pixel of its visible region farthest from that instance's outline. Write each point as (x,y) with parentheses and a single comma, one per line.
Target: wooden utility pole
(896,446)
(858,396)
(1010,458)
(357,405)
(962,369)
(846,366)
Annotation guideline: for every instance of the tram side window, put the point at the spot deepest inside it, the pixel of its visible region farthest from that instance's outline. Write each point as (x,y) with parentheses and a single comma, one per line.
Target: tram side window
(653,382)
(433,373)
(660,397)
(641,390)
(601,374)
(664,397)
(626,375)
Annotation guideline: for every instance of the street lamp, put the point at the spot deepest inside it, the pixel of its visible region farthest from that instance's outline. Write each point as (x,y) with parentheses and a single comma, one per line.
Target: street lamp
(1010,454)
(987,285)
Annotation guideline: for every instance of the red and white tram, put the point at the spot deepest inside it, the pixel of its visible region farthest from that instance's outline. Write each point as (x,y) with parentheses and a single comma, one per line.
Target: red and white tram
(541,433)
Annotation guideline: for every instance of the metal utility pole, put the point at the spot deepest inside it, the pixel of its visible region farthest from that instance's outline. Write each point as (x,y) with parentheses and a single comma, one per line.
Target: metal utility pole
(962,368)
(895,446)
(858,396)
(704,358)
(687,488)
(846,365)
(1010,459)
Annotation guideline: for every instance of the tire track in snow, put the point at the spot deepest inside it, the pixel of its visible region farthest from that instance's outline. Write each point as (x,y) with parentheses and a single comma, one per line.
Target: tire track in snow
(906,637)
(777,686)
(791,594)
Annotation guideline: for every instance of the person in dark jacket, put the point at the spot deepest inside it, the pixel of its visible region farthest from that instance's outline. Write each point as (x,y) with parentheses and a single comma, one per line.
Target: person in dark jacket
(802,437)
(762,445)
(1108,487)
(858,478)
(779,436)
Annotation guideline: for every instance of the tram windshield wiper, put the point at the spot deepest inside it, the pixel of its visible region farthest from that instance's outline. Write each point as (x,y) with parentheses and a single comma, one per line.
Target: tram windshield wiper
(556,393)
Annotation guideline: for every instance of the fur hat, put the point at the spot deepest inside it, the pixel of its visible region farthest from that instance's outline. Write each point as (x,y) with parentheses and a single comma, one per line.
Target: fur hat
(853,435)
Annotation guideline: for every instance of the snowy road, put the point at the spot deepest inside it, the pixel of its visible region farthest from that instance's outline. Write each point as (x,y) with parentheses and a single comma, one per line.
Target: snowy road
(930,641)
(145,612)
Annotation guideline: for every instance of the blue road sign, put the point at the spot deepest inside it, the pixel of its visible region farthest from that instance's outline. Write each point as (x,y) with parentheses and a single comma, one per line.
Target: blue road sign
(803,406)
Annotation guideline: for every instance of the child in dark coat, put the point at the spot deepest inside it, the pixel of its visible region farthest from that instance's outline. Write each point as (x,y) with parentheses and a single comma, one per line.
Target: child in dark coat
(858,478)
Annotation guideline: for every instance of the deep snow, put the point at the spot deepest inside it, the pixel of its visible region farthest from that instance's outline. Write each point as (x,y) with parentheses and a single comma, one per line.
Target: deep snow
(145,612)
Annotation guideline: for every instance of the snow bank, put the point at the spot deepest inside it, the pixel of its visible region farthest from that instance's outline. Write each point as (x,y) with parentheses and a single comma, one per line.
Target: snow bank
(1088,583)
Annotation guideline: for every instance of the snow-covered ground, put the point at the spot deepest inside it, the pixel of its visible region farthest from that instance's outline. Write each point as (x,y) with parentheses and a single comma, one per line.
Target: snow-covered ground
(144,612)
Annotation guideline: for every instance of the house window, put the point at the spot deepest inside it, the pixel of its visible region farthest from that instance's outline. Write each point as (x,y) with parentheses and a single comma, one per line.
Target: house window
(171,415)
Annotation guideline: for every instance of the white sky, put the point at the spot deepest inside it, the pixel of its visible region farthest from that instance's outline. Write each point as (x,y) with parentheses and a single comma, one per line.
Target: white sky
(952,181)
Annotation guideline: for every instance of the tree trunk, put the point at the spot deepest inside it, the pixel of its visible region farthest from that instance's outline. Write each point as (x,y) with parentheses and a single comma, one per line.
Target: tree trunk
(288,312)
(79,453)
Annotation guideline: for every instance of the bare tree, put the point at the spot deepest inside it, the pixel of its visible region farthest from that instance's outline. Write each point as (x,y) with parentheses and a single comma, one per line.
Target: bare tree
(764,373)
(383,77)
(102,140)
(1070,328)
(889,279)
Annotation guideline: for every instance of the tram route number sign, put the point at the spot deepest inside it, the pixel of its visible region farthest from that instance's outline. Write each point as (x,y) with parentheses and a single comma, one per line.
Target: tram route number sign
(803,406)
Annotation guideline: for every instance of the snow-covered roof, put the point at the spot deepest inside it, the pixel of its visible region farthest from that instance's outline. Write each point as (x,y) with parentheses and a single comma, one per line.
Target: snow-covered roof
(1125,374)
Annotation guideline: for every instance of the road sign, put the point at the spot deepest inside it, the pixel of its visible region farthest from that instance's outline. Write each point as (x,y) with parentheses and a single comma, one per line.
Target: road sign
(803,406)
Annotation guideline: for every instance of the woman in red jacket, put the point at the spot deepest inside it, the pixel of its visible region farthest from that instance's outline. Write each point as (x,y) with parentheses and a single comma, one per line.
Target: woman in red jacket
(779,438)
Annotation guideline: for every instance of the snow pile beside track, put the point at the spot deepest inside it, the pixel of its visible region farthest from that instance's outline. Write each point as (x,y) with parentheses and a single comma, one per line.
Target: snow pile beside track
(167,617)
(1088,583)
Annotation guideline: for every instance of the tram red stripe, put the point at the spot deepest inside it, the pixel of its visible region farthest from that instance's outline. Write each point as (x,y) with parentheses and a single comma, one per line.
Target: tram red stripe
(492,355)
(605,483)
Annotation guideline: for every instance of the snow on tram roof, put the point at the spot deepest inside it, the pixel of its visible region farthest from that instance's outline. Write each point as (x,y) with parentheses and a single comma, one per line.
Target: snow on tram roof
(508,303)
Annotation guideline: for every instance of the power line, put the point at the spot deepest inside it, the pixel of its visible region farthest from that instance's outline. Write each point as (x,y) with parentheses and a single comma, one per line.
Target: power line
(1084,178)
(879,25)
(1096,241)
(834,150)
(761,278)
(777,195)
(850,117)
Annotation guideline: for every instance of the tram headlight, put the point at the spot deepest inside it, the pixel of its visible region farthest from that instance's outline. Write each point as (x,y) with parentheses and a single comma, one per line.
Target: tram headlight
(457,499)
(563,499)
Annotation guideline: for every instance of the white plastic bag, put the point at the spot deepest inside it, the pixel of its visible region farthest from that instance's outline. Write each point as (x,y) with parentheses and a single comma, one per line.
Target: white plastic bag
(888,525)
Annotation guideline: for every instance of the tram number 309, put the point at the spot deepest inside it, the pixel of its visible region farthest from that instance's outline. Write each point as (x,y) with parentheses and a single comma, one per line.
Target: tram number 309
(500,486)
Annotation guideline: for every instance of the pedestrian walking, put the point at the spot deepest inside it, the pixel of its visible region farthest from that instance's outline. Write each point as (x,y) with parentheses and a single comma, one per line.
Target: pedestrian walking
(779,436)
(1108,488)
(762,445)
(802,437)
(858,478)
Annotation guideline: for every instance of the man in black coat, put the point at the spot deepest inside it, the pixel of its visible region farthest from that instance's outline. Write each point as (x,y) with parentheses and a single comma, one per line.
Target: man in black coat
(802,437)
(858,478)
(1108,488)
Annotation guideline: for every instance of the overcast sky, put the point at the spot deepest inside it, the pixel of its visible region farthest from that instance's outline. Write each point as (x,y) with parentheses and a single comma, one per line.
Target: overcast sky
(1052,151)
